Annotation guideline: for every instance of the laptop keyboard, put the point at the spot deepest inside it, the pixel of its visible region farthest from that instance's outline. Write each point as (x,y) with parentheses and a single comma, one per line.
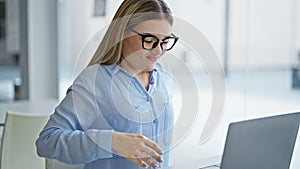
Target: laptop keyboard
(211,167)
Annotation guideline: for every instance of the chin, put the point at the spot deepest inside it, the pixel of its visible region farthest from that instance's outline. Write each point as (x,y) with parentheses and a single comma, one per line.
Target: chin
(150,66)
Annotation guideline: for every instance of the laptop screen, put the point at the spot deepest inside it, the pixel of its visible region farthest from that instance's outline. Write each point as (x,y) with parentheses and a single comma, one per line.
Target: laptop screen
(264,143)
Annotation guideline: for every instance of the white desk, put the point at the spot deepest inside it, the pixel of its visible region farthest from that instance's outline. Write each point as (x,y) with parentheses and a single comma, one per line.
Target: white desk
(216,160)
(33,107)
(196,164)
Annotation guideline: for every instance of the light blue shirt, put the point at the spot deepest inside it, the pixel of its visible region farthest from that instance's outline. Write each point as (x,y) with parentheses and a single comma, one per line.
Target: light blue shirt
(103,99)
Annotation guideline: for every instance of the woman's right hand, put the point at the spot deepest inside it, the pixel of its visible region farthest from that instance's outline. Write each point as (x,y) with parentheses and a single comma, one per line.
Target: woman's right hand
(136,148)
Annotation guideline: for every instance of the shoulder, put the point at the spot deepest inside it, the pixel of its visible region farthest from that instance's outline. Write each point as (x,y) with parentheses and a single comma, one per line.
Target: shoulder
(94,71)
(94,75)
(89,75)
(89,71)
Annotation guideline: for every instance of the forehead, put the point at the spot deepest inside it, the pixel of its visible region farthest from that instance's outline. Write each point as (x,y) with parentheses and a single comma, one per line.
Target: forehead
(155,26)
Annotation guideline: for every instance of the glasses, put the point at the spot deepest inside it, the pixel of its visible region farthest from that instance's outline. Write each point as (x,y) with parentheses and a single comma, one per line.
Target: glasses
(150,41)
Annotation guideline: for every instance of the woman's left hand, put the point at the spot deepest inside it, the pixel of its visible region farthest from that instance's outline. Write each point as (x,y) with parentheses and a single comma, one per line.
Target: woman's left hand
(136,148)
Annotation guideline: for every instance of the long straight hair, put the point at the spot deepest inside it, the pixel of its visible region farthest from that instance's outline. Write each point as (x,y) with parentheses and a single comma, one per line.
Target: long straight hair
(128,15)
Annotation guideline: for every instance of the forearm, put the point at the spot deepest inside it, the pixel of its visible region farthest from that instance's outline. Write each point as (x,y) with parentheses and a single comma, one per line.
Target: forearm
(74,147)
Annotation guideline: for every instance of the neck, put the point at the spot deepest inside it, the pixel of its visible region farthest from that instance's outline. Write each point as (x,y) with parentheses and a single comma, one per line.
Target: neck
(144,78)
(134,71)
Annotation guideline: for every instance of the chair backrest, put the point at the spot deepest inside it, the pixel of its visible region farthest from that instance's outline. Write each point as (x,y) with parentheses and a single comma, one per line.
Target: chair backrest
(18,141)
(54,164)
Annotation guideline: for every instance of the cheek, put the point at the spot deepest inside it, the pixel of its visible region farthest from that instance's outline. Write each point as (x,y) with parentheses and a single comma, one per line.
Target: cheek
(137,60)
(136,57)
(130,46)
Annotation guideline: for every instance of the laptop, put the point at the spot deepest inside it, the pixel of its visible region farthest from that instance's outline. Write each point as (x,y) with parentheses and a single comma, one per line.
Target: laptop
(263,143)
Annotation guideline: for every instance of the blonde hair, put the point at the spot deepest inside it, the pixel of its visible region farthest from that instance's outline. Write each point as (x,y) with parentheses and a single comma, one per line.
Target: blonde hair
(129,14)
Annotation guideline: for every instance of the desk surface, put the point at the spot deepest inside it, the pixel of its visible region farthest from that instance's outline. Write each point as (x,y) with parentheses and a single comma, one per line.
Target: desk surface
(38,107)
(201,163)
(196,164)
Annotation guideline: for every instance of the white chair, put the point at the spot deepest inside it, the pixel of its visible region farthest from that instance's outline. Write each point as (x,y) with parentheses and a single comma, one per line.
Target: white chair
(54,164)
(18,141)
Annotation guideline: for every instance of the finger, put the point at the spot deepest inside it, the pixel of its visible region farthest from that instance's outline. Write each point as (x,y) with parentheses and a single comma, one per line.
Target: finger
(138,162)
(154,146)
(147,160)
(153,154)
(148,142)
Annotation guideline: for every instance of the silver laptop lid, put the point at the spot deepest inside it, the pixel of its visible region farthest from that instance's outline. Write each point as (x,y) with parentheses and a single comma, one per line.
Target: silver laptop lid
(264,143)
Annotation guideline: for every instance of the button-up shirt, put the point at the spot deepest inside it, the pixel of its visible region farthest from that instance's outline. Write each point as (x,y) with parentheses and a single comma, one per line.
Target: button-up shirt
(104,99)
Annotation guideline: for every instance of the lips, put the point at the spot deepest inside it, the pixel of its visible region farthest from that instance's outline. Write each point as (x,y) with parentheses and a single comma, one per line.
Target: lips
(152,58)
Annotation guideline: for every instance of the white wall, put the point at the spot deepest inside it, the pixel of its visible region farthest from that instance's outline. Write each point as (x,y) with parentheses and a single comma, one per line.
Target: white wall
(261,32)
(76,26)
(208,17)
(261,35)
(42,52)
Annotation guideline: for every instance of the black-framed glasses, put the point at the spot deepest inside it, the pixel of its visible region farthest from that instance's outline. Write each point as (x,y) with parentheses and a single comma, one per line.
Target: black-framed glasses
(150,41)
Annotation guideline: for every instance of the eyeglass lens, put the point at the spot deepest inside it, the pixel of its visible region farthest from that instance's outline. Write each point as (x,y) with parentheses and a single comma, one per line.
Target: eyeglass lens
(150,42)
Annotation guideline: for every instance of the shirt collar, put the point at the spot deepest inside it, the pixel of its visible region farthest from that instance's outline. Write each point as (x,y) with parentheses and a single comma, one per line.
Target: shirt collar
(116,68)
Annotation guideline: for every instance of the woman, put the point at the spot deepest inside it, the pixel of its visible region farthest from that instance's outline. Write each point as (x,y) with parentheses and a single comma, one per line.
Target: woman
(118,112)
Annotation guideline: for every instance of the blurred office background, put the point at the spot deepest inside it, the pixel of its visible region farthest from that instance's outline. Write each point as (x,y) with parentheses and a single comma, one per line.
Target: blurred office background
(257,42)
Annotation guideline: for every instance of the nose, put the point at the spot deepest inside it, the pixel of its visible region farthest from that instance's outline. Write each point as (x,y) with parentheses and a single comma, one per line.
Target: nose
(158,49)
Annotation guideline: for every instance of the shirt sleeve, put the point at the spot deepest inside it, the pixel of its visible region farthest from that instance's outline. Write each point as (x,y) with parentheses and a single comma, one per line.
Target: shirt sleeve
(68,136)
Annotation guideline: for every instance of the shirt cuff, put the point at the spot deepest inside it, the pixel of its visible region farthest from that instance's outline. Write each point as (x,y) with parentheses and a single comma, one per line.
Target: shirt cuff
(103,138)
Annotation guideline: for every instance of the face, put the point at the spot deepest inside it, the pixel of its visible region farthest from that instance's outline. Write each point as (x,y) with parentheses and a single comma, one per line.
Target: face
(135,57)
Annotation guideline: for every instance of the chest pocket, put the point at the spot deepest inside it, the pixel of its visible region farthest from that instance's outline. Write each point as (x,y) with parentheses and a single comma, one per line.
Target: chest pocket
(160,101)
